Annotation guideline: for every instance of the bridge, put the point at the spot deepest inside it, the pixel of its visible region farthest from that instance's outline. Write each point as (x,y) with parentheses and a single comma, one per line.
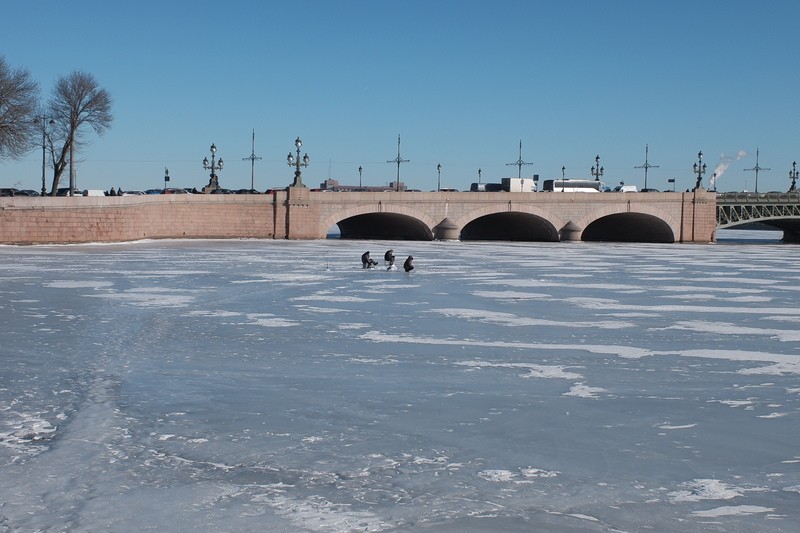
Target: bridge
(779,210)
(663,217)
(301,213)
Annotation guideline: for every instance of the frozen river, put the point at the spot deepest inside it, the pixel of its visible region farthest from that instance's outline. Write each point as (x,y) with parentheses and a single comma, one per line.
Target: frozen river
(278,386)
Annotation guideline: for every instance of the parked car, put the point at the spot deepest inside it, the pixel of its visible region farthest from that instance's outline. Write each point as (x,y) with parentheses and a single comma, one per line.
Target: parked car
(65,191)
(10,191)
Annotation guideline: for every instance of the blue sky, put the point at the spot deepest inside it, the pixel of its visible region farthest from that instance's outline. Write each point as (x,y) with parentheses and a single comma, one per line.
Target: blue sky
(462,82)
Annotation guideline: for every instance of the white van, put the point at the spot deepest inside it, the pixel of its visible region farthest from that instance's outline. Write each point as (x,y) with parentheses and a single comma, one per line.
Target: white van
(94,192)
(626,188)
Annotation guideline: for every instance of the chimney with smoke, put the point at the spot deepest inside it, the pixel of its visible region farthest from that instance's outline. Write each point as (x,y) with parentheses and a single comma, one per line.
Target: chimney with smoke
(725,161)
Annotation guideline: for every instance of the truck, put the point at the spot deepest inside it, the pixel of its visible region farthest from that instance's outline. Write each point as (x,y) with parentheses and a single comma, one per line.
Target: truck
(518,184)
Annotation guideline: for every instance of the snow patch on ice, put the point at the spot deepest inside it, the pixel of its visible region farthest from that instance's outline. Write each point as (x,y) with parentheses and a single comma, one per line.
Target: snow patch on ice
(705,489)
(534,370)
(151,297)
(521,476)
(73,284)
(733,510)
(321,297)
(784,363)
(512,295)
(584,391)
(509,319)
(632,352)
(318,514)
(213,314)
(726,328)
(270,321)
(670,426)
(773,415)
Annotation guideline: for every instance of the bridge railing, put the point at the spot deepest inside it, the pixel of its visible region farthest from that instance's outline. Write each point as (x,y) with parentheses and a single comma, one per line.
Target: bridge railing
(740,198)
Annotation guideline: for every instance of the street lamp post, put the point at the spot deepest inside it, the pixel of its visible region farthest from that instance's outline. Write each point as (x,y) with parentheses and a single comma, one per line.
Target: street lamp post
(44,121)
(359,176)
(597,170)
(563,176)
(215,165)
(479,176)
(166,178)
(699,169)
(296,162)
(793,176)
(439,179)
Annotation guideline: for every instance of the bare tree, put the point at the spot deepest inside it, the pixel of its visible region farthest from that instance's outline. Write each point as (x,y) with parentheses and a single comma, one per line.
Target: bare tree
(77,101)
(19,97)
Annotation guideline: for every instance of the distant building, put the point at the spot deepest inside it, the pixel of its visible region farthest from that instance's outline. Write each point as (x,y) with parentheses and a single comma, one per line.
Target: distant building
(334,186)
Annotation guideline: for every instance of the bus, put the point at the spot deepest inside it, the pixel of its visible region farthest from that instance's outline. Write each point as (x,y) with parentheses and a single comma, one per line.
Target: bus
(572,185)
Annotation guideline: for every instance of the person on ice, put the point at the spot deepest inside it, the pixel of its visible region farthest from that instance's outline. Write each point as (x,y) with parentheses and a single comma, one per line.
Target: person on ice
(407,266)
(389,258)
(367,261)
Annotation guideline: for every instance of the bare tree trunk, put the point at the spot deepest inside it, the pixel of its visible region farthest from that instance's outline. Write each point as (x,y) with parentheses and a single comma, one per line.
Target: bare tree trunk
(77,101)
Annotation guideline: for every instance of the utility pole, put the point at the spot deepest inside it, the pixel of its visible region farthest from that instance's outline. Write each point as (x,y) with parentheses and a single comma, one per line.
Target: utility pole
(756,169)
(253,158)
(519,162)
(646,165)
(398,160)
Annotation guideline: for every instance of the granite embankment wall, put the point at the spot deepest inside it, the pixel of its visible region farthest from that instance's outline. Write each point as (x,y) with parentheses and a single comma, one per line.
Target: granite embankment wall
(43,220)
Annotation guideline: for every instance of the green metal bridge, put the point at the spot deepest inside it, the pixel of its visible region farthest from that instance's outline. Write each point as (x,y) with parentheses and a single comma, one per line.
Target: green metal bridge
(779,210)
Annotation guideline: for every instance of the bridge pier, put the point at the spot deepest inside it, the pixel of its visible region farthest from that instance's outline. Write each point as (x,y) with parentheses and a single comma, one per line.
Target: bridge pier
(570,232)
(446,230)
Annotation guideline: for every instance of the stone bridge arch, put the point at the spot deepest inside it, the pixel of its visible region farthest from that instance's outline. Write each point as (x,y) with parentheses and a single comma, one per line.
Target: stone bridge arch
(626,222)
(384,220)
(507,221)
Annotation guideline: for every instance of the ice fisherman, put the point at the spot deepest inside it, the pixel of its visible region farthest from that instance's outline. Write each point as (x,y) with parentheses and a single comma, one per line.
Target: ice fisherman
(367,261)
(389,258)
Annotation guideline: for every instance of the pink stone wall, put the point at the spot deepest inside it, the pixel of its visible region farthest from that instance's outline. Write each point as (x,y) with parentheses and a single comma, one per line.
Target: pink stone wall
(112,219)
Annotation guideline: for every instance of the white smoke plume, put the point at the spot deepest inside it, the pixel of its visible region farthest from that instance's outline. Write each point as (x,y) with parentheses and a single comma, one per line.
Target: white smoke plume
(725,161)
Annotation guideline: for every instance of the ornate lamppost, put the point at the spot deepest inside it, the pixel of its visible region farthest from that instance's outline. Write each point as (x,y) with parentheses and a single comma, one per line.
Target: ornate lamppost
(793,176)
(439,179)
(597,170)
(215,165)
(563,175)
(359,176)
(296,162)
(479,175)
(44,121)
(699,169)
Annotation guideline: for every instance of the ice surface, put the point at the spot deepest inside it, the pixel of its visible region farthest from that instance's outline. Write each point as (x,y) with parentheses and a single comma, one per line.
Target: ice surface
(278,386)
